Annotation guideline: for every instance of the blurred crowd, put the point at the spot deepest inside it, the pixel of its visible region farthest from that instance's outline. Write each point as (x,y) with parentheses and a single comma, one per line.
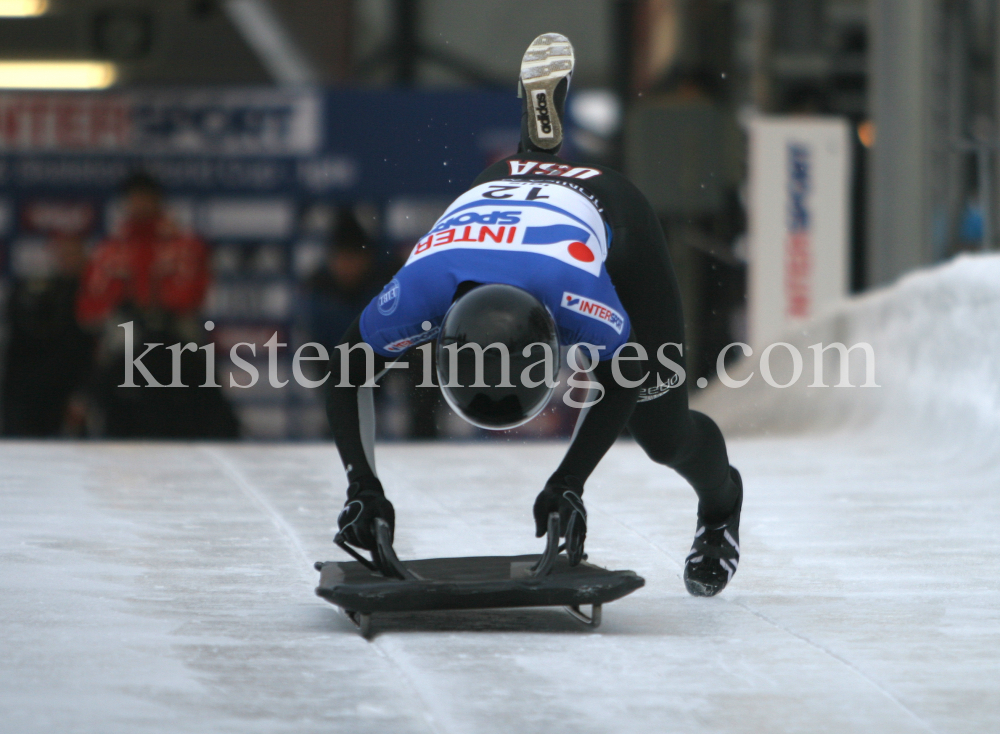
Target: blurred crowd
(68,364)
(351,274)
(66,359)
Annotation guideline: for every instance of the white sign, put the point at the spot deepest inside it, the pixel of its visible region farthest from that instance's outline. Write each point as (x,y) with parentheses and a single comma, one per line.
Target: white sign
(799,220)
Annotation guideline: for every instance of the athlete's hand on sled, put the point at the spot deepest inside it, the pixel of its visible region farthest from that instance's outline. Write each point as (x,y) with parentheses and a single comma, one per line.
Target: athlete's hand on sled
(366,502)
(564,496)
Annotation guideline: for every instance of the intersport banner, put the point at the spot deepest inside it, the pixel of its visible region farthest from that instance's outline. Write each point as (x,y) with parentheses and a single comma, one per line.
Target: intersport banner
(340,143)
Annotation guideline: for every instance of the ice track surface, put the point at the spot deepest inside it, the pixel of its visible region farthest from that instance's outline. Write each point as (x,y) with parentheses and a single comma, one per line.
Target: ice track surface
(169,588)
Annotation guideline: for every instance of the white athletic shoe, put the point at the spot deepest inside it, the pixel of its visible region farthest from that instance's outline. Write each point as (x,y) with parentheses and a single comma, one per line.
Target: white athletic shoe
(546,65)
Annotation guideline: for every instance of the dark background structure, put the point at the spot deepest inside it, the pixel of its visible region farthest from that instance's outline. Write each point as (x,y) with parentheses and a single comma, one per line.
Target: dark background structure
(415,96)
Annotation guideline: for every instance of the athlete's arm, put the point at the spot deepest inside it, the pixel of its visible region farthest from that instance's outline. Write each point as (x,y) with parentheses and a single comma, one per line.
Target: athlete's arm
(602,423)
(596,432)
(352,422)
(347,407)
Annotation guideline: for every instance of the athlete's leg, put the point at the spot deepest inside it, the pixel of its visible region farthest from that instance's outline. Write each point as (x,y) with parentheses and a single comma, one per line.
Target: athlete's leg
(688,442)
(662,423)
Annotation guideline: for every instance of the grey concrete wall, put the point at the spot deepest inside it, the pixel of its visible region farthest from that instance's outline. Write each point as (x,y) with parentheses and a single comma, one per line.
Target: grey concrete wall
(900,234)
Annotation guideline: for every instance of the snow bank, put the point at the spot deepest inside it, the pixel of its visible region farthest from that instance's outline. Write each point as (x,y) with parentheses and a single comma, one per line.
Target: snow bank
(936,340)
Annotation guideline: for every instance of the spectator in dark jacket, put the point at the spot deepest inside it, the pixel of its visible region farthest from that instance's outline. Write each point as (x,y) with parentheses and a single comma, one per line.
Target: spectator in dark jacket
(48,354)
(350,276)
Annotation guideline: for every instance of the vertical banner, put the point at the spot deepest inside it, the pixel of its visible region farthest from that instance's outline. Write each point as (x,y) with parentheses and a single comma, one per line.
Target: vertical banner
(799,220)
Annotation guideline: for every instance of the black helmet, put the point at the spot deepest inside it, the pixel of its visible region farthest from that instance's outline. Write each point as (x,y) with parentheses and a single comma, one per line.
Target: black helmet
(488,321)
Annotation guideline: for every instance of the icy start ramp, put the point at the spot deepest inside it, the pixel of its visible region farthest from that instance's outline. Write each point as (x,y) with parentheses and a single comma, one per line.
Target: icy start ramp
(169,588)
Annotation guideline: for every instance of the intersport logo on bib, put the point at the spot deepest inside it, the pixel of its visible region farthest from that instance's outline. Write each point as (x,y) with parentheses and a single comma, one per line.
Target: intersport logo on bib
(593,309)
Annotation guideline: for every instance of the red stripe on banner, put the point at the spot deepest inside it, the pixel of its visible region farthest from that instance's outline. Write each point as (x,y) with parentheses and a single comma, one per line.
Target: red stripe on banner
(798,267)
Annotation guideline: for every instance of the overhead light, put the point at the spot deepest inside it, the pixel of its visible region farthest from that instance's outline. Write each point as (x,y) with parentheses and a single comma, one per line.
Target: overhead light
(23,8)
(56,74)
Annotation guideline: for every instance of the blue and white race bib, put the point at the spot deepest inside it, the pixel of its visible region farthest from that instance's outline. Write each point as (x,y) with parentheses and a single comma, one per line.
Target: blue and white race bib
(522,216)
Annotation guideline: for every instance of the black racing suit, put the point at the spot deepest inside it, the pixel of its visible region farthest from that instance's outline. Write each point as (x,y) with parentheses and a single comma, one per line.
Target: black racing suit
(640,269)
(639,266)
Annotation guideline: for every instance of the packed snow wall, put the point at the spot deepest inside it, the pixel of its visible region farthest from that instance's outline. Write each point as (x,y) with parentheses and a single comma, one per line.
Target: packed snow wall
(935,338)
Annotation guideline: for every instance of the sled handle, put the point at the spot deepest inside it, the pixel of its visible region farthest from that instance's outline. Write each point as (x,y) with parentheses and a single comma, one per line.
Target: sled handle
(548,559)
(339,540)
(385,556)
(384,559)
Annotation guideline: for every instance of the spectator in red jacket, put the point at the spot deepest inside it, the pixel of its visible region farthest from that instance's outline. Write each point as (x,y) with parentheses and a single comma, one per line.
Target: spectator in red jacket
(149,264)
(154,275)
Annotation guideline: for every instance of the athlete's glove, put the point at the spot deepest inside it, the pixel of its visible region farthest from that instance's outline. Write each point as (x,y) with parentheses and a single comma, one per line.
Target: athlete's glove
(365,503)
(564,496)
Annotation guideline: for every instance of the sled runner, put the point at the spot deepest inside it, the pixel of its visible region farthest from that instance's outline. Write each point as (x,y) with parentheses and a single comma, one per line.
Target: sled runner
(384,584)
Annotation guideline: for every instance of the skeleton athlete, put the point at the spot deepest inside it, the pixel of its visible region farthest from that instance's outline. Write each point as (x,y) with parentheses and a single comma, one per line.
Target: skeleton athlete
(541,253)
